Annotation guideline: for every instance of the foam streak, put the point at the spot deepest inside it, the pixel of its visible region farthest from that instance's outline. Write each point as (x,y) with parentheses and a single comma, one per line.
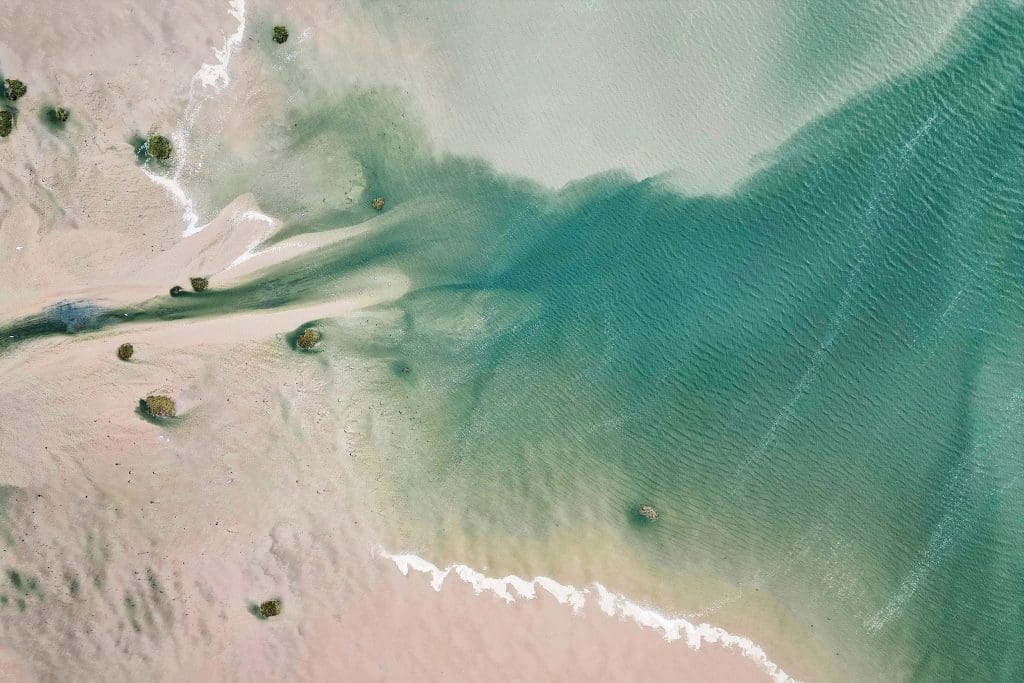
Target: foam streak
(213,76)
(612,604)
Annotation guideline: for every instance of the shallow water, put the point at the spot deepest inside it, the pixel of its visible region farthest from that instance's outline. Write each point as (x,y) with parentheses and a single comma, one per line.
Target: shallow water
(816,378)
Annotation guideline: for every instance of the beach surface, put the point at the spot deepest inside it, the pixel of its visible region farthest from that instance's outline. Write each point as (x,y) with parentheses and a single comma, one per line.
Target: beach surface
(754,267)
(135,549)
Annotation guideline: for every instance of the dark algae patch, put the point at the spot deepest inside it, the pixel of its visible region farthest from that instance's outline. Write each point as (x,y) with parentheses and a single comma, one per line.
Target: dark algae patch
(25,587)
(54,118)
(138,145)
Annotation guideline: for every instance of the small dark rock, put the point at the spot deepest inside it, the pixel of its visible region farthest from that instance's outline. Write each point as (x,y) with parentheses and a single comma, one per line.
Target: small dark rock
(649,512)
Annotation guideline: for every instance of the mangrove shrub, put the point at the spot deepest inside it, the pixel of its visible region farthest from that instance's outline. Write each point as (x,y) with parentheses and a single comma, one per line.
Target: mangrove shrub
(308,339)
(270,608)
(160,406)
(158,147)
(14,88)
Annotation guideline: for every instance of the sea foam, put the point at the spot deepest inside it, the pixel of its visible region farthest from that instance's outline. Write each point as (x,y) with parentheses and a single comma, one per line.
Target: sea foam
(612,604)
(210,76)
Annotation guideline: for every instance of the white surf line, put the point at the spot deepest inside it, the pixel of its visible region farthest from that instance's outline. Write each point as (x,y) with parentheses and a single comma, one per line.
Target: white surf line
(612,604)
(210,75)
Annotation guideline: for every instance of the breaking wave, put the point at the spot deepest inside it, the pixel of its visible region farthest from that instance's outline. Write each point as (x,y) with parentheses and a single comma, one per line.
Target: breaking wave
(508,588)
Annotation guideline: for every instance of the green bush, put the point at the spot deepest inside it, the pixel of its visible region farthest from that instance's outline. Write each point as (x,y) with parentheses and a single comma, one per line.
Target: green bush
(270,608)
(280,34)
(125,351)
(308,339)
(158,147)
(6,123)
(15,89)
(378,203)
(160,406)
(61,114)
(199,283)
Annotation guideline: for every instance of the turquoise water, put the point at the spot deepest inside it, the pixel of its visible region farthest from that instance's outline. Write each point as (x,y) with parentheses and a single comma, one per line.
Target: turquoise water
(818,379)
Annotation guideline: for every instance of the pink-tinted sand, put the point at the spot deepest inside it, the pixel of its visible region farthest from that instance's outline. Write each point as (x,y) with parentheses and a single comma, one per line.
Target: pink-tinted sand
(405,630)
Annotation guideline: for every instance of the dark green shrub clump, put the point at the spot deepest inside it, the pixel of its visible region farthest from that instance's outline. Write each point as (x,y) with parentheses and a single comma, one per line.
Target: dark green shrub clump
(159,406)
(158,147)
(377,204)
(125,351)
(199,283)
(308,339)
(15,89)
(6,123)
(55,117)
(270,608)
(280,34)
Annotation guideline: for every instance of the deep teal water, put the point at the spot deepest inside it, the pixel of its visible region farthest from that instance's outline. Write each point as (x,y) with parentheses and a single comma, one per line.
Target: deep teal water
(818,379)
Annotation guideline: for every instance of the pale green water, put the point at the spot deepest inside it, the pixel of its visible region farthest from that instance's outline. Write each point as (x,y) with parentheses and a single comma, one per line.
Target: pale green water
(818,379)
